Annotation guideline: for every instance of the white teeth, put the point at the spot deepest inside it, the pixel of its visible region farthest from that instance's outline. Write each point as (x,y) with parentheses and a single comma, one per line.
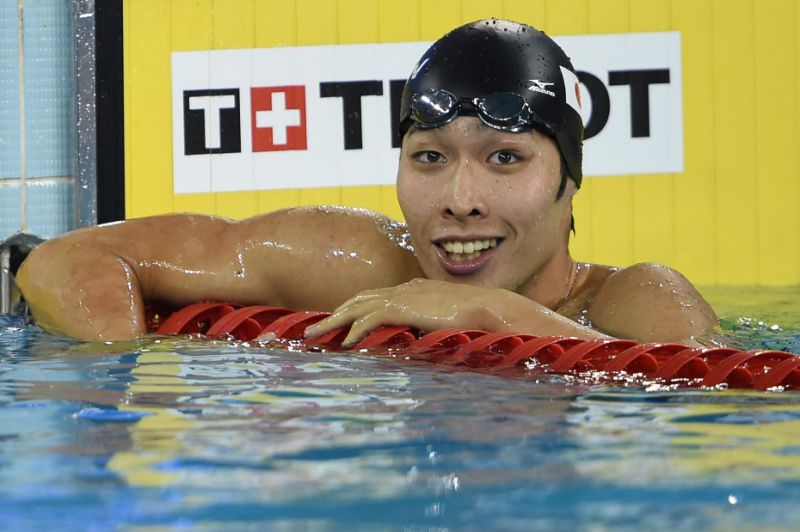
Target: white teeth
(467,250)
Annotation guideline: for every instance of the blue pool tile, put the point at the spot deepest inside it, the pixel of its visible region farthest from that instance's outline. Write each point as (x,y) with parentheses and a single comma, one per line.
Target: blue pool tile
(49,91)
(51,208)
(9,93)
(9,210)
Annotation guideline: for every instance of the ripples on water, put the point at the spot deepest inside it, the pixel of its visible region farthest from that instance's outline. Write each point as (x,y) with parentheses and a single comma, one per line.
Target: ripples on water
(183,433)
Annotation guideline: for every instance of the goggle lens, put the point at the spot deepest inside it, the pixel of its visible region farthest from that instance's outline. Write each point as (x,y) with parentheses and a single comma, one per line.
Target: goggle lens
(501,110)
(433,108)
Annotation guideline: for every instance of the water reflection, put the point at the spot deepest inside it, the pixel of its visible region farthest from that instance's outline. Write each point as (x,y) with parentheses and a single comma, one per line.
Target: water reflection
(690,437)
(238,420)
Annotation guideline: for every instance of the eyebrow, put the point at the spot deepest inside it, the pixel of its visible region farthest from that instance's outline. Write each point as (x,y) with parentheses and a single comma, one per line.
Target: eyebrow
(414,129)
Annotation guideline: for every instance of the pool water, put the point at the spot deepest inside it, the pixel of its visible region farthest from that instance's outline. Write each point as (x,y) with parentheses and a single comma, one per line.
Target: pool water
(178,433)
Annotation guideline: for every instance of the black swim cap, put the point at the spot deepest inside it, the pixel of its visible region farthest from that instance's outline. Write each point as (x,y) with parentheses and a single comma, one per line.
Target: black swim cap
(513,76)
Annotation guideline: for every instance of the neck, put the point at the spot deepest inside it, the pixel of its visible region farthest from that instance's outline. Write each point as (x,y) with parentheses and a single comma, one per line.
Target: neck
(553,285)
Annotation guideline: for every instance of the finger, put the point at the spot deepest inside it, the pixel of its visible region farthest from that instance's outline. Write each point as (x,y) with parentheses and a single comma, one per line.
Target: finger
(363,326)
(265,337)
(340,318)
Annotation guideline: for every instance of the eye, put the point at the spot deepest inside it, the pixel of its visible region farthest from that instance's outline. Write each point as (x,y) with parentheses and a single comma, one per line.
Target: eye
(430,157)
(504,157)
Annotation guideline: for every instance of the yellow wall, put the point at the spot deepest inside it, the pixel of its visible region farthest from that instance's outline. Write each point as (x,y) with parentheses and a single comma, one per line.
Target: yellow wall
(731,217)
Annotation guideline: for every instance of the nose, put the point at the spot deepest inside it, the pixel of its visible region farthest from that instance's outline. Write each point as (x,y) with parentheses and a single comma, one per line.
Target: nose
(463,197)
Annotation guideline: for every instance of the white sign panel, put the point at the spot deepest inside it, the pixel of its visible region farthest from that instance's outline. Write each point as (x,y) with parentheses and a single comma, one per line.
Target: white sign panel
(321,116)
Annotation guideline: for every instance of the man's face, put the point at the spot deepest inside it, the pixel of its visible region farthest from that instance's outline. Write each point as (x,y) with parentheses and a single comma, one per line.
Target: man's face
(480,203)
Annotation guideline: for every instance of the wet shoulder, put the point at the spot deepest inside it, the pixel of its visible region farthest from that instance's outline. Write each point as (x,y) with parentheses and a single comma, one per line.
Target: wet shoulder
(320,225)
(611,287)
(650,302)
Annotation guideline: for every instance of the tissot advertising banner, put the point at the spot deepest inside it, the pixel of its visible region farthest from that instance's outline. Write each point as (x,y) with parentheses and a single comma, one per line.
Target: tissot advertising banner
(319,116)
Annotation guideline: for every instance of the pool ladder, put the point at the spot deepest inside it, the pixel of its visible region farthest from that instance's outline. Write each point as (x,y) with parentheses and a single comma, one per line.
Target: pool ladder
(12,252)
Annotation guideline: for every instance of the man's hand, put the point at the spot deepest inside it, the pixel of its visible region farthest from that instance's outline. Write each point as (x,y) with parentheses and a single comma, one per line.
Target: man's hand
(429,305)
(421,303)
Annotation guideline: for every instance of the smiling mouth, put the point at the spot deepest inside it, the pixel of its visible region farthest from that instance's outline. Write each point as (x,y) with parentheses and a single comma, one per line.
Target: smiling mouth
(461,251)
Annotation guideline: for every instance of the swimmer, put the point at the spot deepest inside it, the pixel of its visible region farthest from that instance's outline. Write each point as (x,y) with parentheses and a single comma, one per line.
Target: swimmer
(489,163)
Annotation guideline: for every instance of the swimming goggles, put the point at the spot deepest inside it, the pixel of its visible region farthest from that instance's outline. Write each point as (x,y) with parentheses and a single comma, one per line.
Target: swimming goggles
(507,111)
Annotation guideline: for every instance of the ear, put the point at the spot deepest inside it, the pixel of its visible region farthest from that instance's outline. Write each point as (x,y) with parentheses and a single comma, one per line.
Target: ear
(567,220)
(571,189)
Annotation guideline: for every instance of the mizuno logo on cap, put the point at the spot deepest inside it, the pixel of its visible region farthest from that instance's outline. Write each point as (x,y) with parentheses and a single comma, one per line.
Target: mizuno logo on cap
(541,86)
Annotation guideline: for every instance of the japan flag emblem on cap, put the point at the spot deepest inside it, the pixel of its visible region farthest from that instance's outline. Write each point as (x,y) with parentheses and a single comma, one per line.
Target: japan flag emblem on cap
(572,89)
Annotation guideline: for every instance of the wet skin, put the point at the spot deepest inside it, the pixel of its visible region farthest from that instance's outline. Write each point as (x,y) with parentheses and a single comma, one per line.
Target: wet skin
(491,252)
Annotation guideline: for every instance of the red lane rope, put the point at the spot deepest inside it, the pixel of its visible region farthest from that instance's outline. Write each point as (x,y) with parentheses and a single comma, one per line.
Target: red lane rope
(672,364)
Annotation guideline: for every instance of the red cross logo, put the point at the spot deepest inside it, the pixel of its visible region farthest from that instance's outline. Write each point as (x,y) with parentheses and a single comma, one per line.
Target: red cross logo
(278,118)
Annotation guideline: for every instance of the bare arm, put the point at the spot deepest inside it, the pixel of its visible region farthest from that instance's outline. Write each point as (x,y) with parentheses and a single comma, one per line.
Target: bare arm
(73,288)
(646,302)
(93,284)
(429,305)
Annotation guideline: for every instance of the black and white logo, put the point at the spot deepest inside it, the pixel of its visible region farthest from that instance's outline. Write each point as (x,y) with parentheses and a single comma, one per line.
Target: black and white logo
(211,122)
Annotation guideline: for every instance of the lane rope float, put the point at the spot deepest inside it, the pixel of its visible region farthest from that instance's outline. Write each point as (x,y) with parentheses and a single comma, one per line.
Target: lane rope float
(500,352)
